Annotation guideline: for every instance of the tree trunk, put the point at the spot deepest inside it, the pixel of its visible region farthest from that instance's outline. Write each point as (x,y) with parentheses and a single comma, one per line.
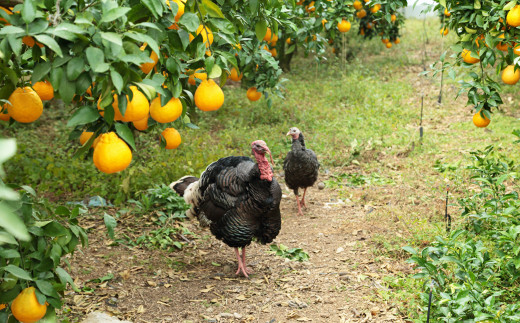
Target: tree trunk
(285,59)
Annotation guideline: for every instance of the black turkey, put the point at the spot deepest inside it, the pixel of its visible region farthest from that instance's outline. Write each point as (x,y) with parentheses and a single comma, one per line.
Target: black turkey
(300,166)
(238,199)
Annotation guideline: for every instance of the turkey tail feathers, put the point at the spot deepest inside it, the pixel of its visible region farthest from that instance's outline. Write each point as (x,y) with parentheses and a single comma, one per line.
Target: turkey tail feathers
(182,184)
(188,187)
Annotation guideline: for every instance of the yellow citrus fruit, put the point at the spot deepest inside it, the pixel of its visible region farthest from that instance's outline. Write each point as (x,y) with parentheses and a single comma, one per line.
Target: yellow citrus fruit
(516,49)
(444,31)
(502,46)
(479,121)
(209,96)
(147,67)
(207,35)
(28,40)
(233,75)
(173,138)
(388,45)
(274,52)
(375,8)
(136,109)
(344,26)
(111,154)
(180,11)
(288,41)
(168,113)
(397,40)
(26,106)
(274,39)
(253,94)
(44,89)
(362,32)
(466,55)
(3,113)
(201,76)
(25,307)
(2,306)
(510,76)
(85,136)
(358,5)
(323,22)
(142,124)
(361,13)
(385,40)
(310,7)
(446,12)
(268,34)
(393,18)
(513,16)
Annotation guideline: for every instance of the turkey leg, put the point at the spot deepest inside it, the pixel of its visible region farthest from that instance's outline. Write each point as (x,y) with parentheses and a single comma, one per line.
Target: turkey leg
(303,197)
(242,263)
(299,206)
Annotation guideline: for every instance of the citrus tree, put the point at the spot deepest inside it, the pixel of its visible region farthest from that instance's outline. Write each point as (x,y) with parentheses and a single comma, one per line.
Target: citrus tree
(485,48)
(110,59)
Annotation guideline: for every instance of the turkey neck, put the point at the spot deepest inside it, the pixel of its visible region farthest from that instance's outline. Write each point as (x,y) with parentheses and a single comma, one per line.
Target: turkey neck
(264,167)
(298,144)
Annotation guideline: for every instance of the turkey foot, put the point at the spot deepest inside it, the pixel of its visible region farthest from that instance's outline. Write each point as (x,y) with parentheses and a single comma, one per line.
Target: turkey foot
(242,268)
(299,206)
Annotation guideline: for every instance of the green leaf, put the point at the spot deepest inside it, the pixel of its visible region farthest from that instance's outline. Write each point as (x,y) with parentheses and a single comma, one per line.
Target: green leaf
(46,288)
(28,11)
(40,71)
(96,60)
(260,30)
(12,223)
(125,133)
(49,42)
(224,25)
(7,30)
(212,9)
(190,21)
(117,80)
(8,148)
(114,14)
(155,7)
(18,272)
(54,229)
(84,115)
(509,5)
(410,250)
(67,89)
(110,224)
(147,90)
(216,71)
(75,67)
(113,38)
(13,77)
(65,278)
(253,7)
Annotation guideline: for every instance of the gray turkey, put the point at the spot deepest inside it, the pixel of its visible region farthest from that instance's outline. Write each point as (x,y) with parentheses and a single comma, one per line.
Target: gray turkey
(300,166)
(238,199)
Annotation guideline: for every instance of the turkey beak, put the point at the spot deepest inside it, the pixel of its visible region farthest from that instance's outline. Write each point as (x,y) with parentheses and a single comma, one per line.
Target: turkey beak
(288,134)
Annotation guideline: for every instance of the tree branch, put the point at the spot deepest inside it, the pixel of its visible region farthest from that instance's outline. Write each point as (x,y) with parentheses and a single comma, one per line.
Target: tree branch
(9,3)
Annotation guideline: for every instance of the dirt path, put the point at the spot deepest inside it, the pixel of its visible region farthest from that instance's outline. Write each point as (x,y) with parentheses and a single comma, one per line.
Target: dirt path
(336,284)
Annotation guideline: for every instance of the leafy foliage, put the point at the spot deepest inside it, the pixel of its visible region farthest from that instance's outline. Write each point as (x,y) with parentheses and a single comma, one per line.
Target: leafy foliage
(474,272)
(54,233)
(290,253)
